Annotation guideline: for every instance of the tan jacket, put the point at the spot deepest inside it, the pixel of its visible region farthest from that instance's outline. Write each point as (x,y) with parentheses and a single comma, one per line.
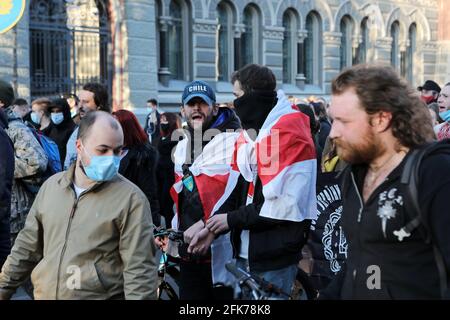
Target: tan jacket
(97,247)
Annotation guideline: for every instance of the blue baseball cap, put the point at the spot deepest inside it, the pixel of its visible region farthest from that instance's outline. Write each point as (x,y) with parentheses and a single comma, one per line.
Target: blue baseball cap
(199,89)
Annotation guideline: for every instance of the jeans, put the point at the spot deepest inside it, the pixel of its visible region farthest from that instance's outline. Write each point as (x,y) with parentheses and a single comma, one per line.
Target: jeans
(281,278)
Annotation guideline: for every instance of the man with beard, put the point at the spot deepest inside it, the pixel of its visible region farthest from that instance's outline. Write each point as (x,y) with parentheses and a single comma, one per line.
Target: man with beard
(198,186)
(269,212)
(93,97)
(379,125)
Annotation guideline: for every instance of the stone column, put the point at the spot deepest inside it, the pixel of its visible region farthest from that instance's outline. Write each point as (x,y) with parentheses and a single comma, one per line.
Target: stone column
(356,42)
(238,29)
(300,78)
(140,66)
(204,51)
(273,50)
(331,58)
(382,50)
(403,48)
(429,52)
(164,74)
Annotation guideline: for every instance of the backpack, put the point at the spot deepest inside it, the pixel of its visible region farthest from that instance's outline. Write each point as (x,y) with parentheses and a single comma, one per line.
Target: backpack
(410,178)
(52,152)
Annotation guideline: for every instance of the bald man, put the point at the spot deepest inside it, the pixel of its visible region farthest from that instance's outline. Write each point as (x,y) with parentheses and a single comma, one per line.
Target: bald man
(89,233)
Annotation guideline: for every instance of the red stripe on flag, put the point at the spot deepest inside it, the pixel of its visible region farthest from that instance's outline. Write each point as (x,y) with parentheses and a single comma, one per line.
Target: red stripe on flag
(210,190)
(239,142)
(289,142)
(174,193)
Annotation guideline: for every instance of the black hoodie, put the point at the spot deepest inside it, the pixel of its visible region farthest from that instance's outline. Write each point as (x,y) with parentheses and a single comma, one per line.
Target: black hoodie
(61,133)
(6,178)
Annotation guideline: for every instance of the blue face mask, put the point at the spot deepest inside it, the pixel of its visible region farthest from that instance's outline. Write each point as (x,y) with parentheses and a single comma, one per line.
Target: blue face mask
(57,118)
(445,115)
(35,118)
(102,168)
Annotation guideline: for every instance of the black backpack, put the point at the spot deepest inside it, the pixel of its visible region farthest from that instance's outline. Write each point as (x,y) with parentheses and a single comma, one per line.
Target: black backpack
(410,178)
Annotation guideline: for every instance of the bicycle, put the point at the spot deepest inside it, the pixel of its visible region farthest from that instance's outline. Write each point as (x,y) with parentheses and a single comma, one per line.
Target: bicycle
(261,289)
(168,262)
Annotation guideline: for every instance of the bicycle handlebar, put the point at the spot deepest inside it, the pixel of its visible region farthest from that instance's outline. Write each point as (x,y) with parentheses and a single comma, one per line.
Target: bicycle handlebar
(173,235)
(258,285)
(245,279)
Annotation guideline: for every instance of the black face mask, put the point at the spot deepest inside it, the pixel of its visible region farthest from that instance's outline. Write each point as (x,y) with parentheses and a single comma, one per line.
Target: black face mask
(253,108)
(165,127)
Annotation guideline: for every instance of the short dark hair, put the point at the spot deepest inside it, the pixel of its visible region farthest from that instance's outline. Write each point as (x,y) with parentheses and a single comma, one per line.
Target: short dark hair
(254,77)
(20,102)
(89,120)
(100,95)
(152,101)
(380,88)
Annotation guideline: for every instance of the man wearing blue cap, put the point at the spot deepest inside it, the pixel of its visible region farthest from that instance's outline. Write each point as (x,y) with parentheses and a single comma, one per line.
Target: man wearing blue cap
(206,124)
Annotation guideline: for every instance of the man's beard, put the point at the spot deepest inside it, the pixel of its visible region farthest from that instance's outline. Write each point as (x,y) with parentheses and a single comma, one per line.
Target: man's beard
(207,122)
(362,153)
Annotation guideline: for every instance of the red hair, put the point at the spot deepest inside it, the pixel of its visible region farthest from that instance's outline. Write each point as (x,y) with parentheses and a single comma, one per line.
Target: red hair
(133,133)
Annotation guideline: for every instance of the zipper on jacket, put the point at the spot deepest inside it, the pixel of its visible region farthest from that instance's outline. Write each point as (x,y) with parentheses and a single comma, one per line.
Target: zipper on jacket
(359,197)
(72,213)
(355,272)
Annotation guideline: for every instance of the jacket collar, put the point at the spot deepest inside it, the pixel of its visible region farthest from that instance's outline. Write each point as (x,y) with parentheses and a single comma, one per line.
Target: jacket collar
(360,171)
(67,180)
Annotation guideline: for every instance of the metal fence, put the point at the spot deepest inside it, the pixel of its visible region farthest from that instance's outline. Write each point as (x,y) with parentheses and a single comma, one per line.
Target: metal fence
(64,53)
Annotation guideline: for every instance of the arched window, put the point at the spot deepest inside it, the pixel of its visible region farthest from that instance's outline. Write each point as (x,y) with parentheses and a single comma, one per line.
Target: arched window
(290,25)
(69,45)
(395,46)
(225,50)
(251,49)
(313,49)
(346,51)
(412,36)
(361,56)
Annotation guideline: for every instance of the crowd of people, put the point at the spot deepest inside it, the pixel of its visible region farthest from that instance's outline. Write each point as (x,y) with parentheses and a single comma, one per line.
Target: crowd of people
(352,191)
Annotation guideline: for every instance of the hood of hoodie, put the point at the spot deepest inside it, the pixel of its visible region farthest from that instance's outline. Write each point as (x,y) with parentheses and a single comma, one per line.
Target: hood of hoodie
(65,109)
